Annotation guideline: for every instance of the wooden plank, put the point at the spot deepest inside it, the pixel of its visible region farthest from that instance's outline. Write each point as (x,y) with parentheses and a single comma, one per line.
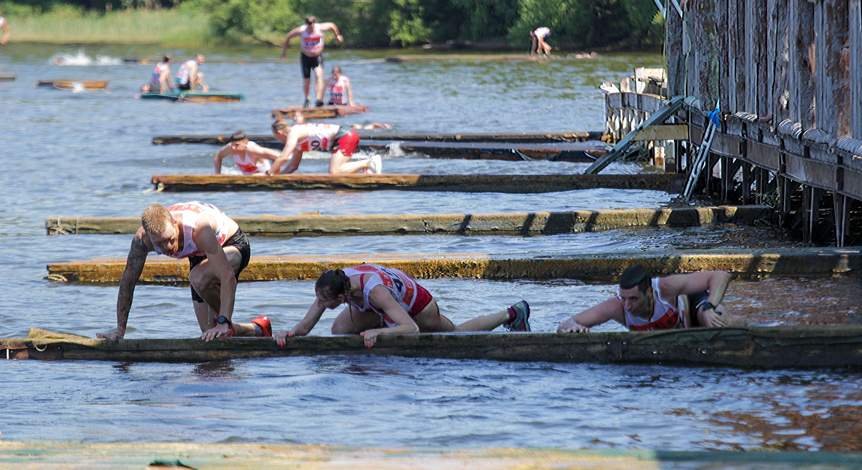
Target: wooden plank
(195,97)
(516,137)
(7,77)
(318,112)
(464,183)
(70,84)
(801,67)
(748,263)
(518,223)
(557,151)
(760,347)
(855,63)
(811,172)
(663,132)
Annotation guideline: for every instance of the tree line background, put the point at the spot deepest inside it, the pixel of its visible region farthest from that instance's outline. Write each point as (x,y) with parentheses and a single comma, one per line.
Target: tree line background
(575,24)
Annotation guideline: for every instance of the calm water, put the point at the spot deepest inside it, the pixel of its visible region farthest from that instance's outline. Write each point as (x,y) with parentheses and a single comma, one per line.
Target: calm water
(89,154)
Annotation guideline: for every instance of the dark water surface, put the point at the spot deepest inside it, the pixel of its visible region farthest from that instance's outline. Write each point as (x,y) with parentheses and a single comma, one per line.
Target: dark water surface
(89,154)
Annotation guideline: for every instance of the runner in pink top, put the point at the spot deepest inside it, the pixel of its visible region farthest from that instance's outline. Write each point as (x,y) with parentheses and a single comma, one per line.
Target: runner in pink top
(311,53)
(382,300)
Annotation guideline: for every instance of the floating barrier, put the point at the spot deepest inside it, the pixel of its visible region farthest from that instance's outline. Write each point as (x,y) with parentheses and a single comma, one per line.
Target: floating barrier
(672,183)
(74,84)
(516,223)
(516,137)
(753,347)
(746,263)
(194,97)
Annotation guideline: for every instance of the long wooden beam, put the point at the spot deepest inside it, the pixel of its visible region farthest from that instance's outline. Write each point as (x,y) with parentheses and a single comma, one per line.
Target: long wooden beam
(760,347)
(467,183)
(509,151)
(746,263)
(516,137)
(516,223)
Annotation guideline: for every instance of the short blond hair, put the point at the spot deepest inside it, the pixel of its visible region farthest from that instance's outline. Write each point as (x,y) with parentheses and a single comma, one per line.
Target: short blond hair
(156,219)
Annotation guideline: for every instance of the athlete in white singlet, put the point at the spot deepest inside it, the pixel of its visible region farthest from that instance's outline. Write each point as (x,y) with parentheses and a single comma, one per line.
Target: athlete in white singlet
(161,77)
(644,303)
(311,53)
(251,158)
(341,141)
(339,88)
(538,38)
(386,301)
(189,76)
(4,25)
(217,251)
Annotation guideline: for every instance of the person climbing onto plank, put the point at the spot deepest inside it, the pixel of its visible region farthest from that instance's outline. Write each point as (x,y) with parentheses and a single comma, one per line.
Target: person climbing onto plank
(386,301)
(311,53)
(190,77)
(539,45)
(217,250)
(300,138)
(649,303)
(339,88)
(161,76)
(249,156)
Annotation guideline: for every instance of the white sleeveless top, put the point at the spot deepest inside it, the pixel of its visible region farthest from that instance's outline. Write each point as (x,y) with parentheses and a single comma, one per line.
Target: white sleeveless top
(183,72)
(665,316)
(247,165)
(402,287)
(311,42)
(542,32)
(320,137)
(336,90)
(157,72)
(190,212)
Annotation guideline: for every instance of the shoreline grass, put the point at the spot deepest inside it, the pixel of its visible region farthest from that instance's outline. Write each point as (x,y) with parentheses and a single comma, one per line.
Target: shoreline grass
(175,28)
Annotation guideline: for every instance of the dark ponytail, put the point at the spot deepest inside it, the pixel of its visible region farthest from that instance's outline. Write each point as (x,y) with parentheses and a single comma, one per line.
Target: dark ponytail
(333,283)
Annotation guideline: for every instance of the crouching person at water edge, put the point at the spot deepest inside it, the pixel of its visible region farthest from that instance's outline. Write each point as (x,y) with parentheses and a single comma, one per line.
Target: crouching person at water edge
(649,303)
(386,301)
(217,250)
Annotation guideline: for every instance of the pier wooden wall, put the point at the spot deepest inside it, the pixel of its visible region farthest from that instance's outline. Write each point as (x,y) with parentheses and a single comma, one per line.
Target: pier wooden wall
(788,77)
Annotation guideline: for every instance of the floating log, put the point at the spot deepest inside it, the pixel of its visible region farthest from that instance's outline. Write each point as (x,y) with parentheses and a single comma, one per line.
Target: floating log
(72,84)
(257,456)
(329,111)
(466,183)
(746,263)
(7,77)
(516,223)
(194,97)
(511,151)
(467,57)
(512,137)
(753,347)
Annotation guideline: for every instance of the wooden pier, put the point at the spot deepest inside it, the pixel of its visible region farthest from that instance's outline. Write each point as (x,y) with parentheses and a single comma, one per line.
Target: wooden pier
(788,130)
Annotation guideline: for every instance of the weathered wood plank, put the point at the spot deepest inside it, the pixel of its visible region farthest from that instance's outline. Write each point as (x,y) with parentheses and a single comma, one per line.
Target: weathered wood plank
(330,111)
(663,132)
(748,263)
(465,183)
(516,223)
(516,137)
(757,347)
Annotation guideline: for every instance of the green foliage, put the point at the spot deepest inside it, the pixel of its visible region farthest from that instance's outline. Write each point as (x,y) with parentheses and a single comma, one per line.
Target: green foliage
(486,19)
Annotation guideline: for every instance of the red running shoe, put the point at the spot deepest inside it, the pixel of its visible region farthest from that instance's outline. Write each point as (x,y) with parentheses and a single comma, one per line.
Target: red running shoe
(265,325)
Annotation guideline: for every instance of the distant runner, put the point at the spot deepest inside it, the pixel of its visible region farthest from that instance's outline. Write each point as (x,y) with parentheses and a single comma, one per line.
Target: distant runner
(311,56)
(189,76)
(341,141)
(339,88)
(539,45)
(217,251)
(4,25)
(645,303)
(161,77)
(386,301)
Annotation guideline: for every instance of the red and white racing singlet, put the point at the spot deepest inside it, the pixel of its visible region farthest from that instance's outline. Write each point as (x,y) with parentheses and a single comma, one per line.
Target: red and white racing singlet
(665,316)
(190,212)
(320,137)
(402,287)
(311,42)
(336,90)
